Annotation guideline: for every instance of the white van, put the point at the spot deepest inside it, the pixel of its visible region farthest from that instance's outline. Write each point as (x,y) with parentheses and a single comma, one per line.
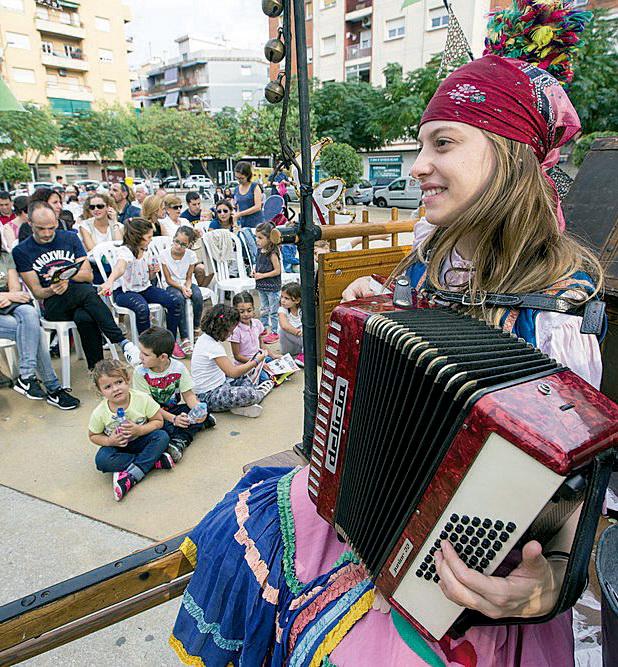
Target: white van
(402,193)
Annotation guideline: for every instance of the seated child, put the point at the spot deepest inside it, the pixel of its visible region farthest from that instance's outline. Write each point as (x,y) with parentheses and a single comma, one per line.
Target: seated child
(167,380)
(130,444)
(218,382)
(179,263)
(246,338)
(290,323)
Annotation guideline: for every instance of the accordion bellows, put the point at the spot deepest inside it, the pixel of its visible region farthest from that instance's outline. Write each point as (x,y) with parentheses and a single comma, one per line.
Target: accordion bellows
(432,425)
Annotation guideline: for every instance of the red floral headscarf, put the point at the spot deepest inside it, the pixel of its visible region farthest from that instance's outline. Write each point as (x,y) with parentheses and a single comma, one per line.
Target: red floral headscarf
(513,99)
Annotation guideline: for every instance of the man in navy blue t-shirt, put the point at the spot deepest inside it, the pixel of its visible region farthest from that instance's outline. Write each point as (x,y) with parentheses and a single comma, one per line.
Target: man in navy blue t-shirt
(39,257)
(193,212)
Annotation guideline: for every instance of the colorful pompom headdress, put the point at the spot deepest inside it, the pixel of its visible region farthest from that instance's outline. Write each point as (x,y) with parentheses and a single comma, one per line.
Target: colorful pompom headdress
(541,32)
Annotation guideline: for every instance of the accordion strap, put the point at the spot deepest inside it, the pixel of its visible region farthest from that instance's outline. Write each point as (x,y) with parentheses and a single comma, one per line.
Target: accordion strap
(592,312)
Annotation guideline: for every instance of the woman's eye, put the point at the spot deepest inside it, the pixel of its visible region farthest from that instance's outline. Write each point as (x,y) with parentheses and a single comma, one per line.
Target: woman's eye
(441,142)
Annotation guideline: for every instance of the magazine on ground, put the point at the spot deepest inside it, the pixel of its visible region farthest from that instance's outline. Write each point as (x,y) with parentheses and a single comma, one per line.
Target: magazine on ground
(278,369)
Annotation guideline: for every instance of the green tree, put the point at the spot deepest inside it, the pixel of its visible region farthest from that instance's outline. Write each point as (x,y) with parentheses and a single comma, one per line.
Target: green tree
(30,135)
(103,132)
(147,157)
(584,144)
(406,97)
(346,112)
(342,161)
(13,170)
(225,143)
(594,89)
(181,134)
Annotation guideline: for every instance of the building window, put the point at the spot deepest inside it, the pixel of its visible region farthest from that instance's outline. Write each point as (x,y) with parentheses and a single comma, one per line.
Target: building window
(308,11)
(42,13)
(358,73)
(102,24)
(21,75)
(14,5)
(327,4)
(395,28)
(309,55)
(43,173)
(438,18)
(106,56)
(17,40)
(109,86)
(329,45)
(365,39)
(47,47)
(246,70)
(247,95)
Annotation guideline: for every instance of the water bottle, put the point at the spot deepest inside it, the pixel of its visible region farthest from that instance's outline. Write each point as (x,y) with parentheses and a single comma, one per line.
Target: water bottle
(119,419)
(198,412)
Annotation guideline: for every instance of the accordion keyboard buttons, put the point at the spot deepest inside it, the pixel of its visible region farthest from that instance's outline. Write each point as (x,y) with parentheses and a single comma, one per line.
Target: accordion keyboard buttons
(424,566)
(492,534)
(428,576)
(504,536)
(469,531)
(459,529)
(468,550)
(474,540)
(465,520)
(472,561)
(464,539)
(485,543)
(484,563)
(481,532)
(436,578)
(419,573)
(491,554)
(458,548)
(487,523)
(448,527)
(443,535)
(476,521)
(499,525)
(454,518)
(497,545)
(510,526)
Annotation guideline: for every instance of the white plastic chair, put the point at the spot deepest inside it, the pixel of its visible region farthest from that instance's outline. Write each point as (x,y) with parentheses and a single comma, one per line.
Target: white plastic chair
(109,251)
(157,247)
(62,330)
(9,348)
(285,277)
(222,272)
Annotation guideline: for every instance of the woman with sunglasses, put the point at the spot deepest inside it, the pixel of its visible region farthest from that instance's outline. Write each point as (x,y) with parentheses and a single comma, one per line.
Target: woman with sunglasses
(223,216)
(170,223)
(99,222)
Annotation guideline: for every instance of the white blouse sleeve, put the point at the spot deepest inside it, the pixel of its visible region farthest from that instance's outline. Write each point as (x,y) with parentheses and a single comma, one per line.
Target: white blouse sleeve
(558,336)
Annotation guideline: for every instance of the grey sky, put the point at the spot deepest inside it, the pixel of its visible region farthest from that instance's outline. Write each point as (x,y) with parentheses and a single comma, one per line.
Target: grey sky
(156,23)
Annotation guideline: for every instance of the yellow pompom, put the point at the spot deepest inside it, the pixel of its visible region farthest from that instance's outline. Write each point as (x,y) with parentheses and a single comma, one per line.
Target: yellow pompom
(542,36)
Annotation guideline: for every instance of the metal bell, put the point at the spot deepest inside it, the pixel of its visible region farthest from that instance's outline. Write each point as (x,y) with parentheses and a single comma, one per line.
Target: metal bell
(272,8)
(274,92)
(274,49)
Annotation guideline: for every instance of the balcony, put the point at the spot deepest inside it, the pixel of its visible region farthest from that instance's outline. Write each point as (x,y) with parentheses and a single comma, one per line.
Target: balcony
(73,29)
(183,83)
(62,61)
(357,10)
(70,91)
(356,52)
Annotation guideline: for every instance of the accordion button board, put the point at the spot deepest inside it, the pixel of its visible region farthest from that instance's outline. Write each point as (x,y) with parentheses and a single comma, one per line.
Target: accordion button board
(432,425)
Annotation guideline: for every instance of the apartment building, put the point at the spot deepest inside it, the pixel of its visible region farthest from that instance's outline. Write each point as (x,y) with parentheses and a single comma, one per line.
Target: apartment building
(205,75)
(69,54)
(611,5)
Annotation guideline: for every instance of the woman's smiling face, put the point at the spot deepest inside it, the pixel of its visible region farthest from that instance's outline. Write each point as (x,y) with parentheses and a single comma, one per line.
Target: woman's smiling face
(454,167)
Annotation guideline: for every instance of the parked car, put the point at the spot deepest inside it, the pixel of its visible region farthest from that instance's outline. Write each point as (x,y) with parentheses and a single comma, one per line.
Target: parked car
(402,192)
(170,183)
(361,193)
(198,180)
(379,182)
(88,183)
(40,184)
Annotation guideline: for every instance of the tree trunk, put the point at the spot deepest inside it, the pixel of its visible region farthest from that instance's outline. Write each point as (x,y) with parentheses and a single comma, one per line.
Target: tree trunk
(178,172)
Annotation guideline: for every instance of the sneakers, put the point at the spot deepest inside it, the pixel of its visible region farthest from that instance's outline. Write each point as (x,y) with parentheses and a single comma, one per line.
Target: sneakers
(131,353)
(62,400)
(178,353)
(30,388)
(186,347)
(175,450)
(166,462)
(271,338)
(122,483)
(265,387)
(300,360)
(249,411)
(210,421)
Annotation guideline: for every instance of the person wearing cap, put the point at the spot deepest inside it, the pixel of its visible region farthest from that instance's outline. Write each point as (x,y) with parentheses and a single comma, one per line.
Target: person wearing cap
(272,581)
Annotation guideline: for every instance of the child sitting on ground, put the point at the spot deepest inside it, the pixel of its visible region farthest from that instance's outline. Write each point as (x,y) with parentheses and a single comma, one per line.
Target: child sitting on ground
(267,276)
(246,337)
(290,323)
(218,382)
(167,380)
(127,426)
(178,264)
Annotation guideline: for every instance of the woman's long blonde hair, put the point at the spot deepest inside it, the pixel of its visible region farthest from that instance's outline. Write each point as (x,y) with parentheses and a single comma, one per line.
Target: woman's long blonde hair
(150,210)
(519,247)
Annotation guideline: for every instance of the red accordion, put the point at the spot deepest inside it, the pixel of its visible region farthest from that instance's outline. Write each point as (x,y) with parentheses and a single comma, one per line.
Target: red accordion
(433,425)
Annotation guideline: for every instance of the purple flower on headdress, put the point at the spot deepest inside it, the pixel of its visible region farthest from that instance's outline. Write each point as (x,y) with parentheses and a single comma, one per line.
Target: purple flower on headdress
(464,92)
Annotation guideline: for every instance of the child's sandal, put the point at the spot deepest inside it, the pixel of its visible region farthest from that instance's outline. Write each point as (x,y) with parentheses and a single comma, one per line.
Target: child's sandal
(186,346)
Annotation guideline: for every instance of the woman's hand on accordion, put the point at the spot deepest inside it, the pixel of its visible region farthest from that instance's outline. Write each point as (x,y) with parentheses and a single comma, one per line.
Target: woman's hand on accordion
(357,289)
(531,589)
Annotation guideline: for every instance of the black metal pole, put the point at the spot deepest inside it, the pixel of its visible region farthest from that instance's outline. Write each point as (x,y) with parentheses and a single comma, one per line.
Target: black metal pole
(308,233)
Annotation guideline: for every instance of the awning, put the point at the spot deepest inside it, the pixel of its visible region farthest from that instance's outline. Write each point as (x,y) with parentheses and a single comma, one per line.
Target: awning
(171,100)
(68,4)
(170,75)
